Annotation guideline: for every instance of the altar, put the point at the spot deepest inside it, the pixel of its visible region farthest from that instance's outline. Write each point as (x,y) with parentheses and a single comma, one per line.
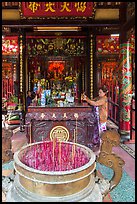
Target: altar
(77,121)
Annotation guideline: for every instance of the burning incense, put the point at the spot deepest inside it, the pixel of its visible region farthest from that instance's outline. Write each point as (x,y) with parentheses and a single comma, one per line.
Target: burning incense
(60,154)
(73,146)
(54,143)
(30,135)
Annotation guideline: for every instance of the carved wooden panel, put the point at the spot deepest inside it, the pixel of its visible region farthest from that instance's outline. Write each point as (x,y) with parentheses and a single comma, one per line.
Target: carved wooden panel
(80,119)
(6,145)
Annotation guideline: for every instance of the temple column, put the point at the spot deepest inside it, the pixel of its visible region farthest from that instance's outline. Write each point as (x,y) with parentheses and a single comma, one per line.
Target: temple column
(125,77)
(22,64)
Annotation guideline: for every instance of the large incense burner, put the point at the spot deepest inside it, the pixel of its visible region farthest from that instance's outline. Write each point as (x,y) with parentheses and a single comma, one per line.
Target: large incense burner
(55,171)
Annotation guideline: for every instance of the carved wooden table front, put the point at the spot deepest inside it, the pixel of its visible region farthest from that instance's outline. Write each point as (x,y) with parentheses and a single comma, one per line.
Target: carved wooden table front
(77,119)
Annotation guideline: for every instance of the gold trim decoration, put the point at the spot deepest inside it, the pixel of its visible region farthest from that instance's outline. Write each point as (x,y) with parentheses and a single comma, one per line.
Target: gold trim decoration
(91,66)
(59,132)
(21,62)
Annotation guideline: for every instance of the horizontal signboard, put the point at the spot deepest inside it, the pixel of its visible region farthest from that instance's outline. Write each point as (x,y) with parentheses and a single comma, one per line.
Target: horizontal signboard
(56,9)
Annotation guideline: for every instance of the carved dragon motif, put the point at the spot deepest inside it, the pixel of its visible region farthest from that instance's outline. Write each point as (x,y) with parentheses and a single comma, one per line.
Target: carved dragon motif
(106,157)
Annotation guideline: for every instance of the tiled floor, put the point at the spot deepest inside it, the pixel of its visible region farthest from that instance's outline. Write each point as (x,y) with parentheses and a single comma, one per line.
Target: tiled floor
(132,146)
(129,166)
(125,190)
(125,153)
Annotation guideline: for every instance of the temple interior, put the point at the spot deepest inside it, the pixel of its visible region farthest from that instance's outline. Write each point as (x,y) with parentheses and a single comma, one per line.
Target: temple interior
(56,59)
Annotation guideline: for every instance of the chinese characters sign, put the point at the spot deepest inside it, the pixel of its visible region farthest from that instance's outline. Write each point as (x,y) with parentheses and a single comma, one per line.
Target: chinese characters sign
(57,9)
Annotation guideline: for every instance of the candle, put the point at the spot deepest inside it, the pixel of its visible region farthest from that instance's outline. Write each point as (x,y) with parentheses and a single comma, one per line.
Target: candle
(73,154)
(76,131)
(73,147)
(74,136)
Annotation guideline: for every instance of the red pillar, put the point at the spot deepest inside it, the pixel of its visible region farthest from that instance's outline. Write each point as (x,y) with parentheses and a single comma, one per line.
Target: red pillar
(132,128)
(125,87)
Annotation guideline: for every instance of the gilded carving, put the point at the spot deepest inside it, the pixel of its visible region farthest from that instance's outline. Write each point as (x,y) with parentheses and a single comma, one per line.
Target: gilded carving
(33,6)
(60,133)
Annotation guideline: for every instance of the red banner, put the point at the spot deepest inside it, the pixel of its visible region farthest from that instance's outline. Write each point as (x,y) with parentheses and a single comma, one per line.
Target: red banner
(57,9)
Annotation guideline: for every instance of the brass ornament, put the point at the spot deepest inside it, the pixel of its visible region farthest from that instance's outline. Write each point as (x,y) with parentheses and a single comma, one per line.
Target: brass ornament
(59,132)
